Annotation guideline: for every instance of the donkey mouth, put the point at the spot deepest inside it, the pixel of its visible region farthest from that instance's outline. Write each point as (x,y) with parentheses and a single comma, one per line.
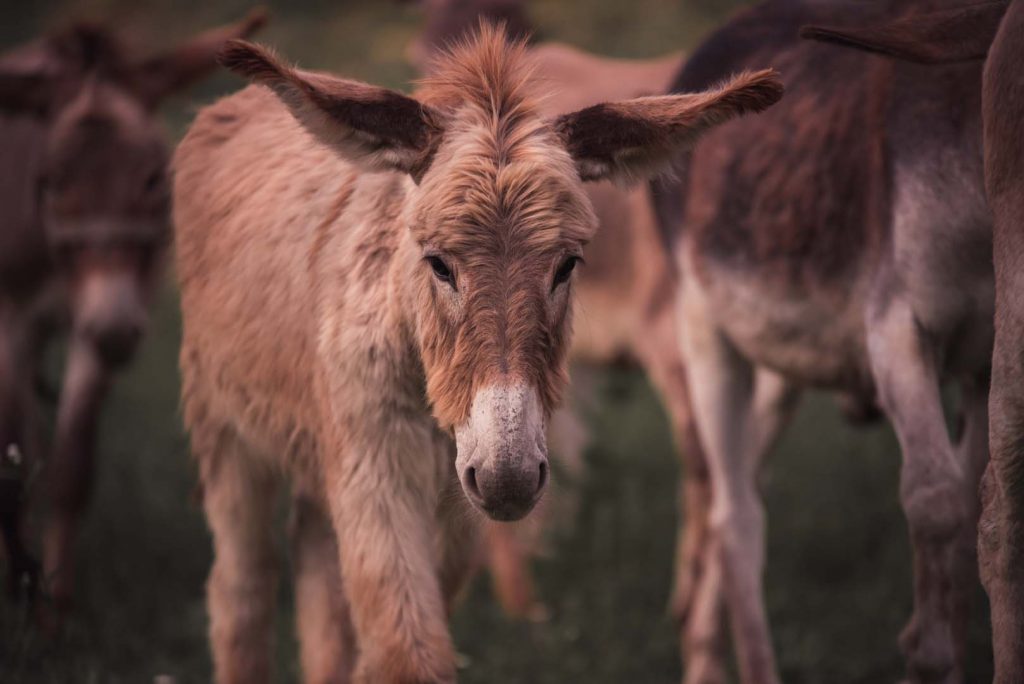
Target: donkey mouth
(505,499)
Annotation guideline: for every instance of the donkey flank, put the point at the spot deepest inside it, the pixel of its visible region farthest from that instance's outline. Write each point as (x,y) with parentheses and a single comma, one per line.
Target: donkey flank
(433,297)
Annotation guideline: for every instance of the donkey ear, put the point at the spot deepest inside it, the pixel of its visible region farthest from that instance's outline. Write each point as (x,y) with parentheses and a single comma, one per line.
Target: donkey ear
(377,128)
(166,73)
(26,92)
(634,139)
(951,35)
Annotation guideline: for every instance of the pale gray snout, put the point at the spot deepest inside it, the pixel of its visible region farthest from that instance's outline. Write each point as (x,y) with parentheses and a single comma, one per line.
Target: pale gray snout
(111,316)
(502,452)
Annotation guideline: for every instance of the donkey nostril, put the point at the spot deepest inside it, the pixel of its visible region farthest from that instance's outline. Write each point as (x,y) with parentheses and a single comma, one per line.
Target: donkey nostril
(543,475)
(471,482)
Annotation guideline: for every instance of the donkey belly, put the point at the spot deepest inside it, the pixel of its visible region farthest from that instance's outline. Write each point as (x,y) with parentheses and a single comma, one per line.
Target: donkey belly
(812,338)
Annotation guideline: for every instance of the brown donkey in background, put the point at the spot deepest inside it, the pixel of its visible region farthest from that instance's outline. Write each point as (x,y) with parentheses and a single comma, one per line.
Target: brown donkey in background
(386,337)
(841,241)
(623,303)
(85,217)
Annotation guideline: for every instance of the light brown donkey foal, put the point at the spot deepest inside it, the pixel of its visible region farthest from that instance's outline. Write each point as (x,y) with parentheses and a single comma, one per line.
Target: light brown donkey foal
(384,337)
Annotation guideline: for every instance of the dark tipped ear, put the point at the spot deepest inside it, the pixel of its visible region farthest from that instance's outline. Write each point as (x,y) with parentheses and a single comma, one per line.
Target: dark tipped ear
(377,128)
(634,139)
(952,35)
(26,93)
(163,74)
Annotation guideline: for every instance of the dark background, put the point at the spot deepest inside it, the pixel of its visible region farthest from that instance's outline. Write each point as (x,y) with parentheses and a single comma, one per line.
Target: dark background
(838,578)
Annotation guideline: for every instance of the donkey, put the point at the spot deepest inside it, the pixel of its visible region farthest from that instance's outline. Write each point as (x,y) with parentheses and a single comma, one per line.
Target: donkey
(842,240)
(622,291)
(995,29)
(85,215)
(428,309)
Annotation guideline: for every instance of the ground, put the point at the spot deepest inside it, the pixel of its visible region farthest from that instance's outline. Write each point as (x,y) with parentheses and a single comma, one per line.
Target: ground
(838,578)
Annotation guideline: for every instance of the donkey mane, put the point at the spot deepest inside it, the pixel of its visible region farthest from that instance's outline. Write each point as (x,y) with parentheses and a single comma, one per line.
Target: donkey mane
(88,45)
(485,70)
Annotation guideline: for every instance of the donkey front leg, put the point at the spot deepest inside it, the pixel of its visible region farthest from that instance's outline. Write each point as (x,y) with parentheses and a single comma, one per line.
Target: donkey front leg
(384,491)
(238,497)
(72,465)
(935,491)
(322,618)
(722,390)
(17,450)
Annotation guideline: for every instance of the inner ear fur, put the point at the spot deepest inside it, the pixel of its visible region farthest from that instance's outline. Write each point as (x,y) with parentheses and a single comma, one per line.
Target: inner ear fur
(378,128)
(635,139)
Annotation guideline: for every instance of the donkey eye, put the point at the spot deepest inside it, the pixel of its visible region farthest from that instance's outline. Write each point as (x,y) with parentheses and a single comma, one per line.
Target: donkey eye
(564,271)
(441,270)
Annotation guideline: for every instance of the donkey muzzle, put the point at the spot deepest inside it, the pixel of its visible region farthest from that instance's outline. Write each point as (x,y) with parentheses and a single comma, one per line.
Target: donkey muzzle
(111,316)
(502,451)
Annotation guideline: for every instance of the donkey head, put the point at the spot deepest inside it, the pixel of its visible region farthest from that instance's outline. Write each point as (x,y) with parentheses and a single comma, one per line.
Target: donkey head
(498,219)
(102,187)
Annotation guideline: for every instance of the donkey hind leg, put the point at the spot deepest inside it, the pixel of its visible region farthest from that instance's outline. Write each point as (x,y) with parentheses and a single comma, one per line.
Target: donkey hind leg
(238,497)
(460,541)
(508,557)
(326,637)
(935,492)
(659,354)
(722,389)
(696,599)
(71,469)
(972,451)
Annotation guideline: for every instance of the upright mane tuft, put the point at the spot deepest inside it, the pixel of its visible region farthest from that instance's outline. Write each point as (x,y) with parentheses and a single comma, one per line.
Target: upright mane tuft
(485,70)
(86,45)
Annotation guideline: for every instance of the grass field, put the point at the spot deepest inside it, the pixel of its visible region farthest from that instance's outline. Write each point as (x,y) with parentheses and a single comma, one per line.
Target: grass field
(838,579)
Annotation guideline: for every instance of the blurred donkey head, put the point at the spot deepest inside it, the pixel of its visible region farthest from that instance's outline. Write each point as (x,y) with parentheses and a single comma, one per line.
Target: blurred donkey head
(101,182)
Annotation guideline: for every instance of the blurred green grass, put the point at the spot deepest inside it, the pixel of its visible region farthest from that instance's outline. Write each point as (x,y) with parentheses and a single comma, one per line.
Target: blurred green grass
(838,577)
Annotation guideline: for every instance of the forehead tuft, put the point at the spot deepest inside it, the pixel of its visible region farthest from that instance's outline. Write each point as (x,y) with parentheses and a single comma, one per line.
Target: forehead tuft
(103,110)
(85,46)
(501,174)
(485,71)
(473,201)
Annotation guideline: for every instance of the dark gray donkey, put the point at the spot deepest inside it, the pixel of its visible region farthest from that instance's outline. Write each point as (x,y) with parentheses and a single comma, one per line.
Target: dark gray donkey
(962,34)
(84,212)
(842,240)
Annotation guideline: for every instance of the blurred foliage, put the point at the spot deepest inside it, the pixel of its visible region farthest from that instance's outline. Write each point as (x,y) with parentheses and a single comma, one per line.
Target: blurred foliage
(838,577)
